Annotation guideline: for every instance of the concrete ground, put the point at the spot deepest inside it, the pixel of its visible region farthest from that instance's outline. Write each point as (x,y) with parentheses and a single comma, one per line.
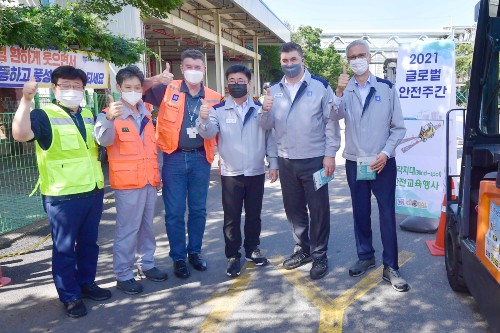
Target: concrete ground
(262,299)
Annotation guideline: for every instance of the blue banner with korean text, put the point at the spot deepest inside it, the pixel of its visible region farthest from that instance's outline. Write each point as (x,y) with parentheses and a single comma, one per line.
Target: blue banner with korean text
(18,65)
(425,83)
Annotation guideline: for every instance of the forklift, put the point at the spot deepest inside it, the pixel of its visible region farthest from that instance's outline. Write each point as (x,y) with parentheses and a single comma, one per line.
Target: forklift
(472,235)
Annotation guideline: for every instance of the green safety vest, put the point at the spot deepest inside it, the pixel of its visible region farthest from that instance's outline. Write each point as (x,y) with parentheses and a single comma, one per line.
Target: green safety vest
(70,165)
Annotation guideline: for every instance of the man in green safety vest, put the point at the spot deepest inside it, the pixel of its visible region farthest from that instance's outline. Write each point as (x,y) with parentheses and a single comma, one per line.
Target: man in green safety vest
(71,183)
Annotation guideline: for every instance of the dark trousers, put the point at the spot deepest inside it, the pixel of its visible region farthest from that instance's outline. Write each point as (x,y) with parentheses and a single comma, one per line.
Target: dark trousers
(236,191)
(384,189)
(74,225)
(311,231)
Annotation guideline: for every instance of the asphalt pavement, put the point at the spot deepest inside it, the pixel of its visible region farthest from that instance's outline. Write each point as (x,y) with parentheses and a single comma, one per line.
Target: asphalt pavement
(262,299)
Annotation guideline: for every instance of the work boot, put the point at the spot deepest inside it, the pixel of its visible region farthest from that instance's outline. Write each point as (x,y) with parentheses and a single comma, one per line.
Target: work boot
(129,287)
(257,258)
(233,267)
(297,259)
(75,308)
(398,283)
(154,274)
(319,268)
(361,266)
(94,292)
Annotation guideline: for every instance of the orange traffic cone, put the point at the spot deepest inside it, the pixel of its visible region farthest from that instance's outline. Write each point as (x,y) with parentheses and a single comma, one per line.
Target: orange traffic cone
(3,280)
(436,247)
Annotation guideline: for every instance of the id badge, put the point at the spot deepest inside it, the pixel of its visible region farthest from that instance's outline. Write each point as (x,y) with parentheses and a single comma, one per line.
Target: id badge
(363,170)
(192,132)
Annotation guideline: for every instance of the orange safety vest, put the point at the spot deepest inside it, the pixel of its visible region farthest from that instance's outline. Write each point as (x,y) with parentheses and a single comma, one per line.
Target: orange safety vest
(171,114)
(133,162)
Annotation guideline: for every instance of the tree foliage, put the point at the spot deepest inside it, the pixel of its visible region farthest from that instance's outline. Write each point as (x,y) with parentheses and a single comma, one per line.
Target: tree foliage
(79,26)
(270,67)
(463,62)
(324,62)
(155,8)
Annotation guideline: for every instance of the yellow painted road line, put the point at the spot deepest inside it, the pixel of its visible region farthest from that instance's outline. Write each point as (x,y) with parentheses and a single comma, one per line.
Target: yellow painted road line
(224,304)
(332,310)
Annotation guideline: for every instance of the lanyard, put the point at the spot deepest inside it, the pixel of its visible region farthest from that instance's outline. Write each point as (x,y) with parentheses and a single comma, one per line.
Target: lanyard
(192,112)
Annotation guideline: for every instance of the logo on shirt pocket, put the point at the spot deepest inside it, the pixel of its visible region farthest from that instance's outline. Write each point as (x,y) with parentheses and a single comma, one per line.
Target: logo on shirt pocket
(175,98)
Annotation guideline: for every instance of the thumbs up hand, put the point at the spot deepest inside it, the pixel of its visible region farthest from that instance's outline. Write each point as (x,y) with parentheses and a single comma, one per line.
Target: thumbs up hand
(29,89)
(204,110)
(268,101)
(342,82)
(115,109)
(166,77)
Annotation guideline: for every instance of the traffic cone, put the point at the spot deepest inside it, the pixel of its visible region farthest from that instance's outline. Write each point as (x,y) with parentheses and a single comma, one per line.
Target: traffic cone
(3,280)
(436,247)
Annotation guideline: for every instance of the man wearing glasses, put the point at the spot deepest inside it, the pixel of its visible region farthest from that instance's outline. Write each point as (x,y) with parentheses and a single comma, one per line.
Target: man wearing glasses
(243,145)
(71,183)
(374,126)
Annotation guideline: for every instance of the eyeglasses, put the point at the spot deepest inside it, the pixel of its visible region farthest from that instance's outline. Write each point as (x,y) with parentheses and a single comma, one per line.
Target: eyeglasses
(357,56)
(232,81)
(67,86)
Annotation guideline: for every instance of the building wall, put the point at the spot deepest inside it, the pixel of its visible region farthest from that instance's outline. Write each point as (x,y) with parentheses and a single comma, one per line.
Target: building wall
(128,24)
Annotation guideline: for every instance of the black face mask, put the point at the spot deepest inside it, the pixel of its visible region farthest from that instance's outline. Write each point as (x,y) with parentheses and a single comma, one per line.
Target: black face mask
(237,90)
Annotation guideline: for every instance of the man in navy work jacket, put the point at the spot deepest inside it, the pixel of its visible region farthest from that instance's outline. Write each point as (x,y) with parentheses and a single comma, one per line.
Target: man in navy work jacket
(243,144)
(374,126)
(298,108)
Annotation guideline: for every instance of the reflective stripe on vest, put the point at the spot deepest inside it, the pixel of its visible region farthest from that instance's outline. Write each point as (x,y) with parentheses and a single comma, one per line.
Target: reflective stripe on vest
(171,114)
(70,165)
(133,162)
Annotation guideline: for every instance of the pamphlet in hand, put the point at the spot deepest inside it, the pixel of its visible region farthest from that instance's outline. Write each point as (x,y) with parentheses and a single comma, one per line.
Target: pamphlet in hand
(320,179)
(364,172)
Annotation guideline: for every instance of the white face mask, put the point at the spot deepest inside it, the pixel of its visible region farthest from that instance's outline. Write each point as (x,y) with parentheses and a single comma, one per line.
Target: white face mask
(70,98)
(131,97)
(359,66)
(192,76)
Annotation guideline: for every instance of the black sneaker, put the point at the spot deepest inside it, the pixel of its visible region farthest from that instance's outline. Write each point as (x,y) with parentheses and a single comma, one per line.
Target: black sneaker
(392,276)
(257,258)
(197,261)
(181,270)
(130,287)
(154,274)
(361,266)
(75,308)
(94,292)
(233,267)
(319,268)
(297,259)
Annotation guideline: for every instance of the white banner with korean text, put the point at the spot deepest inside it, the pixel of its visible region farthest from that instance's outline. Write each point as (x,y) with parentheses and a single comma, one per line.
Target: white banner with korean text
(425,80)
(18,65)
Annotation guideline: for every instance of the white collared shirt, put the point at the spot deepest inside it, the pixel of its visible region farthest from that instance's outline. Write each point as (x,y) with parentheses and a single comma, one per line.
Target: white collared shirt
(242,109)
(294,88)
(363,91)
